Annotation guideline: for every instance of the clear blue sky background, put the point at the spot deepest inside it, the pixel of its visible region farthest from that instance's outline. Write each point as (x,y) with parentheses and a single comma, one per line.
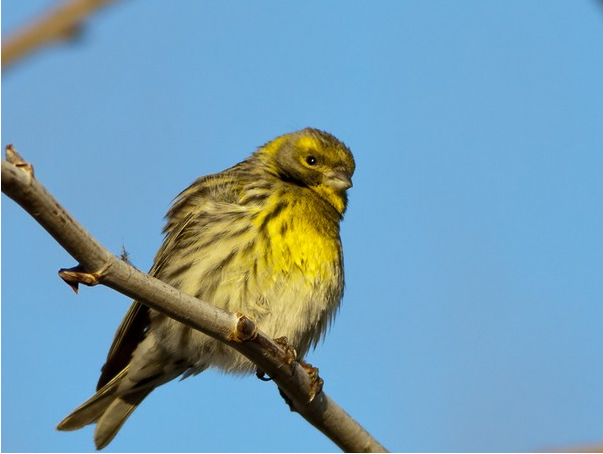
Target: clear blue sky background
(473,313)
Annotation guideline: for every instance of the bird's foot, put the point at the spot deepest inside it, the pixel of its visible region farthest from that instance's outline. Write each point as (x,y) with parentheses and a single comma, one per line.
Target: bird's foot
(289,359)
(316,383)
(290,353)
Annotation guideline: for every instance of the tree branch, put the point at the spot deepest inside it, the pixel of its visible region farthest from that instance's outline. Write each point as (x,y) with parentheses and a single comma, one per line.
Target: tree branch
(61,23)
(98,266)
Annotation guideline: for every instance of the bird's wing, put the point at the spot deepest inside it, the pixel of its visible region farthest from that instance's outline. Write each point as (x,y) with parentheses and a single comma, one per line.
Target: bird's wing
(187,206)
(130,333)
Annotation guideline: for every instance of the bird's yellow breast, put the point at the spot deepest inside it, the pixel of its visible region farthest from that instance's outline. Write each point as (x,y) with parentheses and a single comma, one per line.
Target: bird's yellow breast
(298,237)
(278,260)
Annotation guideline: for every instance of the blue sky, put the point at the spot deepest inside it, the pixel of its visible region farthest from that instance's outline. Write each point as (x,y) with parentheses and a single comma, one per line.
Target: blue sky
(473,313)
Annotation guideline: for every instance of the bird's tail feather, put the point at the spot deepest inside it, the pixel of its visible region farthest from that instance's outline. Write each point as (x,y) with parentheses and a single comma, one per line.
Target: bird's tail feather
(91,410)
(115,415)
(107,409)
(111,406)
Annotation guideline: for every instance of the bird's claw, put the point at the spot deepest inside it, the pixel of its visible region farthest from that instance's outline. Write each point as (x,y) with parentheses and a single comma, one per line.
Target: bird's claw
(259,373)
(316,383)
(290,353)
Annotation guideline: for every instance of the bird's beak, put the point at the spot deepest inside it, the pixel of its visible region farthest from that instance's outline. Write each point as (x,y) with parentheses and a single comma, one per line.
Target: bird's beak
(338,180)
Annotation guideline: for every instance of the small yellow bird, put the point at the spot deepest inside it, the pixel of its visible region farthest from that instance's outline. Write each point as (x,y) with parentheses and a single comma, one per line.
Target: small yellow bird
(260,238)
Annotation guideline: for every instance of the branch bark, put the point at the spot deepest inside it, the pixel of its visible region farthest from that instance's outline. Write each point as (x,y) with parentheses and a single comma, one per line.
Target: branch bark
(99,266)
(59,24)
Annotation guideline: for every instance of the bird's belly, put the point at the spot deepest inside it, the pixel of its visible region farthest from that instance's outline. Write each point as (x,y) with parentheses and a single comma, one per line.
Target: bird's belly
(289,287)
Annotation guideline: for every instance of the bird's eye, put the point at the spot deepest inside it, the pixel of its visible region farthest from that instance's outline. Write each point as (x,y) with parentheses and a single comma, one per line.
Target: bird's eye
(311,160)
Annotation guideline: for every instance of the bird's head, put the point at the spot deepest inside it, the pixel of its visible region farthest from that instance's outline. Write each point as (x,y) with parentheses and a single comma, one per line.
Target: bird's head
(314,159)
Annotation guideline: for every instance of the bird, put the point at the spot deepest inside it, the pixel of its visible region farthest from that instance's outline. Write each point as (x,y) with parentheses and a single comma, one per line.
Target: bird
(261,238)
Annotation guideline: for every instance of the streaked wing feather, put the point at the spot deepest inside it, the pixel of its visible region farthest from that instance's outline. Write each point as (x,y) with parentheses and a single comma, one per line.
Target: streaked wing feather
(187,206)
(130,333)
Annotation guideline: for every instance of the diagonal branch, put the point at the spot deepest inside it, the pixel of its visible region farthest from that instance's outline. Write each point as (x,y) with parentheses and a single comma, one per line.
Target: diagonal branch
(98,265)
(59,24)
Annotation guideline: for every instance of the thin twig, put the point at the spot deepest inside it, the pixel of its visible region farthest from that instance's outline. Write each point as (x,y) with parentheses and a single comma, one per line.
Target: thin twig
(59,24)
(98,265)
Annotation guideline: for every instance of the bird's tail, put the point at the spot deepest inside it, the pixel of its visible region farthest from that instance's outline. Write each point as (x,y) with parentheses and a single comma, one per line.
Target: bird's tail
(107,408)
